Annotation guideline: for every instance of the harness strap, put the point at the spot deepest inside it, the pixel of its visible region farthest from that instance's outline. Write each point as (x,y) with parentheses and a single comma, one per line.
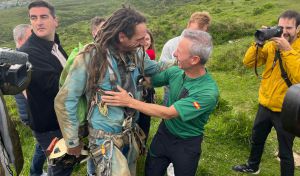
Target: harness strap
(127,123)
(103,158)
(112,76)
(140,137)
(103,134)
(119,139)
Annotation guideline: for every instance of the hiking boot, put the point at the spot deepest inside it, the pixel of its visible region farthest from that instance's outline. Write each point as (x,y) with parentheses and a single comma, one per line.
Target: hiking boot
(245,168)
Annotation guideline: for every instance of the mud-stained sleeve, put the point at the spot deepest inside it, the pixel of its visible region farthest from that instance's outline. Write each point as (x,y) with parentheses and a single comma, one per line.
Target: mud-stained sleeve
(153,67)
(67,99)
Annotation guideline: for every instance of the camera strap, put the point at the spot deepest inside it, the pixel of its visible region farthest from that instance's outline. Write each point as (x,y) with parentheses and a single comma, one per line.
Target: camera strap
(255,63)
(283,72)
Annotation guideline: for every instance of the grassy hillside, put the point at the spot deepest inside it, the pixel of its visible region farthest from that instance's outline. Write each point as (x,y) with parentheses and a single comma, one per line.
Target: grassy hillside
(227,134)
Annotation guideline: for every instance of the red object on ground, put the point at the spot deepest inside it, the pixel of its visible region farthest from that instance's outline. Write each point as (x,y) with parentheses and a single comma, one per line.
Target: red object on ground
(51,146)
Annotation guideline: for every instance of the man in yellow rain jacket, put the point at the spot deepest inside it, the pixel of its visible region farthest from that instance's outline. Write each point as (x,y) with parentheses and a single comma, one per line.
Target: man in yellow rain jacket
(272,91)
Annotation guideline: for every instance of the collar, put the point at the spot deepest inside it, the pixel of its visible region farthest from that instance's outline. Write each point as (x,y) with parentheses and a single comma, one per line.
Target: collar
(45,43)
(187,79)
(115,51)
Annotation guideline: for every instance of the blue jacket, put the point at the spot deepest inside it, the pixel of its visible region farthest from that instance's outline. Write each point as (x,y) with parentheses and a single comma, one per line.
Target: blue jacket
(74,86)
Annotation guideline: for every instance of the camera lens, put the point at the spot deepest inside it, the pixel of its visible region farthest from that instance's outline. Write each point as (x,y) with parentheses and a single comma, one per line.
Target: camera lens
(262,35)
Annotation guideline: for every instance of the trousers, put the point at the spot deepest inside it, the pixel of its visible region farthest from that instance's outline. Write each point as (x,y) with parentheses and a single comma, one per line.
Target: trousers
(264,121)
(167,148)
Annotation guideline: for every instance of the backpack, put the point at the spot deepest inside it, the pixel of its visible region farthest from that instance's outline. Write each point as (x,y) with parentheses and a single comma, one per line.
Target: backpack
(82,104)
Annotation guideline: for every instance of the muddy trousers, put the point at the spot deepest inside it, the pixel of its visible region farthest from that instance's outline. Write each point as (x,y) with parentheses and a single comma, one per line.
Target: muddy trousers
(167,148)
(264,121)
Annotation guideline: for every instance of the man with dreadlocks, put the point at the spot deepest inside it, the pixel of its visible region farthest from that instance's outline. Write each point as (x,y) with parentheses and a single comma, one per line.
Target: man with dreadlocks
(115,58)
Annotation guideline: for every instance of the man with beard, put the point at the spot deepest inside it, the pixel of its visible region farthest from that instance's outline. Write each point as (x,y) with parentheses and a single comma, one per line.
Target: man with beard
(193,96)
(116,57)
(283,52)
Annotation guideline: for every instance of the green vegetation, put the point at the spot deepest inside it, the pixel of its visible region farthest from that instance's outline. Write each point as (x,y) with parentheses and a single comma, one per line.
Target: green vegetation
(227,137)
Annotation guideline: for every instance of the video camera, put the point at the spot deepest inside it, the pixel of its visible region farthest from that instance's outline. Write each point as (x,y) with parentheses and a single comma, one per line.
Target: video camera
(261,35)
(15,71)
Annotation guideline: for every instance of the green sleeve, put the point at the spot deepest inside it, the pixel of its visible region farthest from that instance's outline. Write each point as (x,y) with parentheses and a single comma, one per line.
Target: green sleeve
(163,78)
(159,79)
(195,106)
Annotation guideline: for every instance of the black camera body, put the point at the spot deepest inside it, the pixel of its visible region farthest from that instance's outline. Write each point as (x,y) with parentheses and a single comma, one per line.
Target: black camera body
(15,71)
(261,35)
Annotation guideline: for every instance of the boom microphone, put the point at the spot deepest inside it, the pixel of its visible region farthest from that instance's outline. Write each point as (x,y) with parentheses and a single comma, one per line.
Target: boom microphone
(15,71)
(12,57)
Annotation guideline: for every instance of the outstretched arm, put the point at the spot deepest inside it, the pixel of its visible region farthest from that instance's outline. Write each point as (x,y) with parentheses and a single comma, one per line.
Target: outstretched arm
(122,98)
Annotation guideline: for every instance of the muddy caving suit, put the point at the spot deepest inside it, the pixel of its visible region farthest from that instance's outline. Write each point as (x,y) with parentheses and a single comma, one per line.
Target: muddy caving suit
(115,139)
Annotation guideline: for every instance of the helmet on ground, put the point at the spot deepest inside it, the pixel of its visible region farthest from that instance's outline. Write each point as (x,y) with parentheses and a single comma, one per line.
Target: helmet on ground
(59,155)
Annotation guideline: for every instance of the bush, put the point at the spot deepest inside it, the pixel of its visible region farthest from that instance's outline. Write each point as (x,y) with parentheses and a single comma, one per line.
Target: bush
(222,106)
(257,11)
(229,57)
(230,125)
(237,126)
(216,10)
(268,6)
(230,30)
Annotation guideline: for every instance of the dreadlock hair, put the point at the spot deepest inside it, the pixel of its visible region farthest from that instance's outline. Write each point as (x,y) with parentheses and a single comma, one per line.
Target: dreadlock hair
(123,20)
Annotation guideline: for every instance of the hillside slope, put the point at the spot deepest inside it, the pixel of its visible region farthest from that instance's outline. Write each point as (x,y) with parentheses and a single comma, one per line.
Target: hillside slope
(228,132)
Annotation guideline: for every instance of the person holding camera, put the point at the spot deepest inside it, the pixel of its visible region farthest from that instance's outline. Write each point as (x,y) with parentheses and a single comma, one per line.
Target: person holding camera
(281,57)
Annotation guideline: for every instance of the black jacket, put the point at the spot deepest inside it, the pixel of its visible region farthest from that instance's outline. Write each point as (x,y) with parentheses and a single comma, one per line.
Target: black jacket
(43,87)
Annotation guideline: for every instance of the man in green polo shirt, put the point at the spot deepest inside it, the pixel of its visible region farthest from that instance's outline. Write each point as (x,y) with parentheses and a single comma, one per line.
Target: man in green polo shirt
(193,96)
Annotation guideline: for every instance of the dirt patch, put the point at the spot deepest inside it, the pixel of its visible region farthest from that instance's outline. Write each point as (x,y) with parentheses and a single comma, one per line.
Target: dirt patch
(296,158)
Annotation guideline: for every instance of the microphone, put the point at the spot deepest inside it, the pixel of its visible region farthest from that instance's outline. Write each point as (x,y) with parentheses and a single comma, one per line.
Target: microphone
(12,57)
(15,71)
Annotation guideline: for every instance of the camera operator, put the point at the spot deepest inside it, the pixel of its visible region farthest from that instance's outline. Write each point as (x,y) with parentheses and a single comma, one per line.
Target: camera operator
(279,55)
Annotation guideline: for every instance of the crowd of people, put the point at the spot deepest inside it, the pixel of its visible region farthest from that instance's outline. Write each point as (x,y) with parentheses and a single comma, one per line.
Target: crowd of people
(116,73)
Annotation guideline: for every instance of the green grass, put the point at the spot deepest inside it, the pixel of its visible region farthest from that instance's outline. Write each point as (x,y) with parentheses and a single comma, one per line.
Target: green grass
(228,131)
